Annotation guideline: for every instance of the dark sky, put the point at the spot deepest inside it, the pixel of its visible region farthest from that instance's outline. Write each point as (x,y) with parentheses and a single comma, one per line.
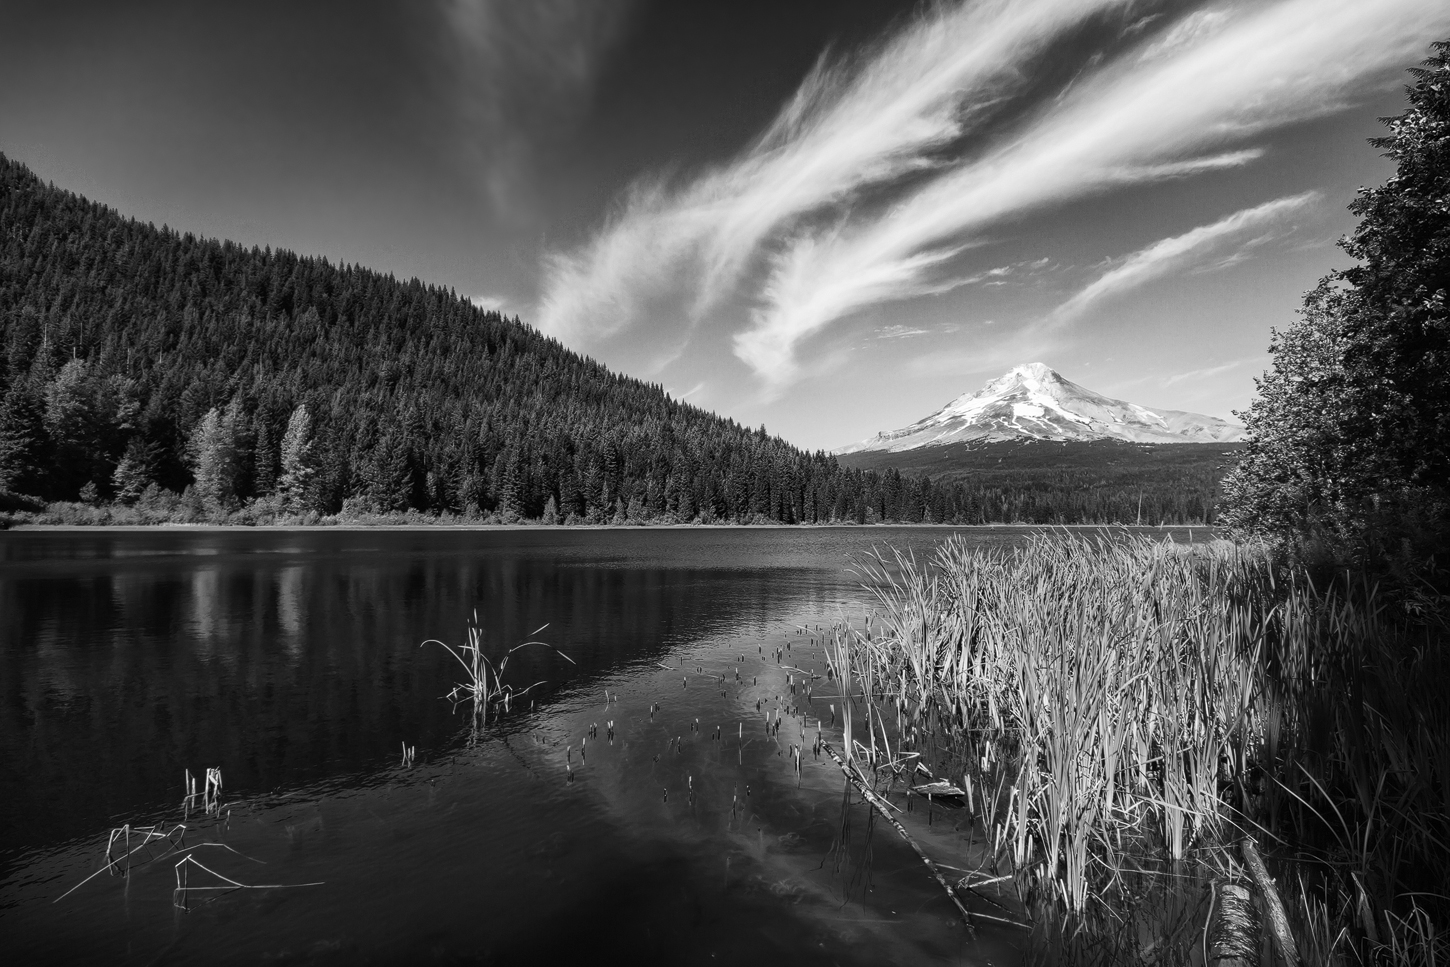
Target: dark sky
(830,217)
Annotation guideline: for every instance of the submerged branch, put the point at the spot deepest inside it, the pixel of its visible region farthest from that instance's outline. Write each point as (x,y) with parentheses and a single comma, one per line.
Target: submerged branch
(881,807)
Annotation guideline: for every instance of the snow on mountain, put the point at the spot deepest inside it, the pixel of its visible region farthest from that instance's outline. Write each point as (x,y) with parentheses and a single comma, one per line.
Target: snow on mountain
(1034,402)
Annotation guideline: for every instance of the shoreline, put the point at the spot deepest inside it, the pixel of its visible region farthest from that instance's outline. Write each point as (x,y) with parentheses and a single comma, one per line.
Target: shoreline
(81,528)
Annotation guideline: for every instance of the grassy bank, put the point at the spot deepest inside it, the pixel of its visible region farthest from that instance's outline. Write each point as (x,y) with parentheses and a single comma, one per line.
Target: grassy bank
(1120,715)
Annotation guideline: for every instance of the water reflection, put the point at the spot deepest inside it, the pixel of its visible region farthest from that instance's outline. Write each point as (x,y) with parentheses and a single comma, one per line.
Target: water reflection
(290,604)
(122,665)
(292,661)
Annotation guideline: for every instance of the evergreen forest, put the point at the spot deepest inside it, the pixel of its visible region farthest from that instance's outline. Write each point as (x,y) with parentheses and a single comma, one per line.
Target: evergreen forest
(147,374)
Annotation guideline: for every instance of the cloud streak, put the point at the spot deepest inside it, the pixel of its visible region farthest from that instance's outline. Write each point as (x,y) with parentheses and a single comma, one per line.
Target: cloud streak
(854,123)
(1206,372)
(1140,119)
(1173,254)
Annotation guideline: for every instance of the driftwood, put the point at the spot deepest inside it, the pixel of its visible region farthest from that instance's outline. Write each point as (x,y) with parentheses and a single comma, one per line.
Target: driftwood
(1235,938)
(1273,906)
(883,808)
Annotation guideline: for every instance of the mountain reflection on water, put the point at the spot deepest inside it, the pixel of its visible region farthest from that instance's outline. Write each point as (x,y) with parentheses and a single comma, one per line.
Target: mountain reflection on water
(291,659)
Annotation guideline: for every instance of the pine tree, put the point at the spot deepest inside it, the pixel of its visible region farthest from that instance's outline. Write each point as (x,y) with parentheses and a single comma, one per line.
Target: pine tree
(133,472)
(22,442)
(298,464)
(71,425)
(214,462)
(264,459)
(388,478)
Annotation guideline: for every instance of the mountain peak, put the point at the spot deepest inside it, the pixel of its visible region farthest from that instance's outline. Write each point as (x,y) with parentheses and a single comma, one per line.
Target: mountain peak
(1035,402)
(1027,374)
(1038,371)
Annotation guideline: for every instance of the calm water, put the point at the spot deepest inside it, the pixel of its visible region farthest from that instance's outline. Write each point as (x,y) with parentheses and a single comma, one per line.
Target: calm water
(292,661)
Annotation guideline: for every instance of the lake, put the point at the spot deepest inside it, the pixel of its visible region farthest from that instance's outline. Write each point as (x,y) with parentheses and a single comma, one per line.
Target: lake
(292,661)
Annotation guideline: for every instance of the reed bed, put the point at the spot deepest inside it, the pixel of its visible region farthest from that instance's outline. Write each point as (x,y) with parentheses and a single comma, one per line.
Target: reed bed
(1122,714)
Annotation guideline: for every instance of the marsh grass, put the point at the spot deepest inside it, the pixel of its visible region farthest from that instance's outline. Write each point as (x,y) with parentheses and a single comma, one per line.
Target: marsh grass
(1121,714)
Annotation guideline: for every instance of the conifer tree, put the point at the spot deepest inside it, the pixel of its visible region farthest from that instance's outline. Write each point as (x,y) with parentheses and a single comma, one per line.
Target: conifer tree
(133,472)
(71,426)
(298,464)
(22,442)
(214,462)
(265,457)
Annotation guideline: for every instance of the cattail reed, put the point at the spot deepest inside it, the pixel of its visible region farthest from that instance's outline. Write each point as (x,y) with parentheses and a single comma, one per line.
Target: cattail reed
(1111,706)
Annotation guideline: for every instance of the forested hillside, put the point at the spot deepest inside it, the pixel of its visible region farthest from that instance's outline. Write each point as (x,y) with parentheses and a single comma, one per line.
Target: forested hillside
(205,380)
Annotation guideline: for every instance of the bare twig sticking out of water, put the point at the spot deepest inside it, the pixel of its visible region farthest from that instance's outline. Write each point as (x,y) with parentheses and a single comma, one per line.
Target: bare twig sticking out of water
(409,751)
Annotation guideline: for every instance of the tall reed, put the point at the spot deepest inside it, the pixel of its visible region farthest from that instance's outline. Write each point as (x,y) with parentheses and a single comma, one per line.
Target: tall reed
(1124,710)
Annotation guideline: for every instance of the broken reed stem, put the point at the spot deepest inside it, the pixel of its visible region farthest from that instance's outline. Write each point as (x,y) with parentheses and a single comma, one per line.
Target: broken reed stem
(183,865)
(877,802)
(1273,905)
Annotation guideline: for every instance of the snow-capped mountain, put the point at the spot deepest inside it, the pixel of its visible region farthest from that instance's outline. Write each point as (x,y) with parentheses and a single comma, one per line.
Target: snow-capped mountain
(1034,402)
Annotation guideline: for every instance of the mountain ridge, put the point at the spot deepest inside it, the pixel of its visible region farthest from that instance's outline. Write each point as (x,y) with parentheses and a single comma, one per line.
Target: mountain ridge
(1033,401)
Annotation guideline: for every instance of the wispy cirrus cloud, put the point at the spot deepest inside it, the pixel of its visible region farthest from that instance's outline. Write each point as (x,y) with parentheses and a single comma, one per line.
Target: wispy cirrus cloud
(524,71)
(1207,372)
(854,123)
(1174,254)
(1260,66)
(899,332)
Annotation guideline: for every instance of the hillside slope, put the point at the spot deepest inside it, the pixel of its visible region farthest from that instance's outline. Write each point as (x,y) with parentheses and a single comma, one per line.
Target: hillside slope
(119,338)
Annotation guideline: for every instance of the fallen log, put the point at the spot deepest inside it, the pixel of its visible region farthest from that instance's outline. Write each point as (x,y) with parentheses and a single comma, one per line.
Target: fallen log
(1273,906)
(1234,940)
(883,808)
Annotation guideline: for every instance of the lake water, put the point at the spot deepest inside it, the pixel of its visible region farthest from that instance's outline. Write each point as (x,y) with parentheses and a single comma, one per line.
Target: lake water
(291,660)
